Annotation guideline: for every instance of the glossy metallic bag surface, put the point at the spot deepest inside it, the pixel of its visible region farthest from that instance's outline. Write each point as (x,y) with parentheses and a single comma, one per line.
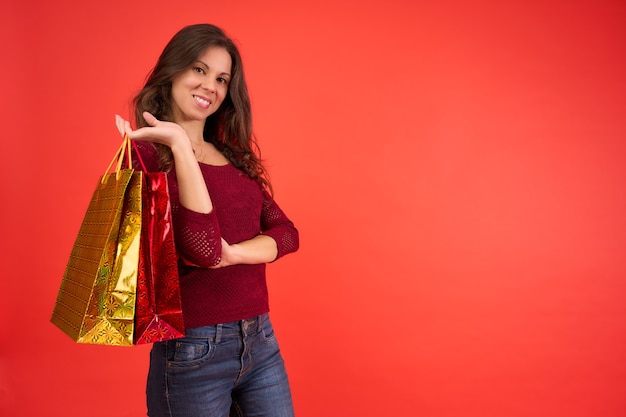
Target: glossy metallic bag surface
(158,314)
(96,301)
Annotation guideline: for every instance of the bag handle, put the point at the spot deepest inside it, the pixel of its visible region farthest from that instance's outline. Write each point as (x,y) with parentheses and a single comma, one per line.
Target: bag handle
(143,167)
(119,157)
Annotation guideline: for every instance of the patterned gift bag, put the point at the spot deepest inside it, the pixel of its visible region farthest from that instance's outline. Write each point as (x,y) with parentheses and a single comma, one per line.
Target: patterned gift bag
(96,301)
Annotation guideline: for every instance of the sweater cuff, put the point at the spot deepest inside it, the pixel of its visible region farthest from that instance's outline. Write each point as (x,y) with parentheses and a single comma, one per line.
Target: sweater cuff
(195,217)
(284,242)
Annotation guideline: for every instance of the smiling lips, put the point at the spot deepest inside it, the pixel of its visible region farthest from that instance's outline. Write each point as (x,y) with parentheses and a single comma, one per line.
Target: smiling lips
(202,101)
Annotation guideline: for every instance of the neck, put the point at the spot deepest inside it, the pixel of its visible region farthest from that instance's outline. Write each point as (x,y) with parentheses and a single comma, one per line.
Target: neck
(194,130)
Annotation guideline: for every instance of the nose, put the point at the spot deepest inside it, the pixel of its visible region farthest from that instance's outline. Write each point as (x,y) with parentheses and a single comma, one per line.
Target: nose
(209,84)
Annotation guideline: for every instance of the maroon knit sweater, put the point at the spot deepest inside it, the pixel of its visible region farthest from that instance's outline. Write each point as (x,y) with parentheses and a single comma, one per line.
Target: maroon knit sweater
(237,292)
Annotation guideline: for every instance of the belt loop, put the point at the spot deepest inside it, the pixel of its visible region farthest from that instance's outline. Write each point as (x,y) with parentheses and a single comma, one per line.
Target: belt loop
(259,324)
(218,333)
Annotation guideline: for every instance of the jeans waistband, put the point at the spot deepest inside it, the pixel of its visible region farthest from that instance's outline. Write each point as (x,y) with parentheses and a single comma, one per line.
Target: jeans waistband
(218,331)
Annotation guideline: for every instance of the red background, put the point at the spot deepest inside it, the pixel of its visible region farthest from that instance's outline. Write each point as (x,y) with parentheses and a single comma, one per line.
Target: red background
(456,170)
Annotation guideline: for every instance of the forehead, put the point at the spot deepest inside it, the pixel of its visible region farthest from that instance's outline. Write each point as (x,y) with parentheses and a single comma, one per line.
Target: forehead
(216,58)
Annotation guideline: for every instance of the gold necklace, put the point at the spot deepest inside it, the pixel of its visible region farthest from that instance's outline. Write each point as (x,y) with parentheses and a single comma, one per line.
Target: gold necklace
(199,154)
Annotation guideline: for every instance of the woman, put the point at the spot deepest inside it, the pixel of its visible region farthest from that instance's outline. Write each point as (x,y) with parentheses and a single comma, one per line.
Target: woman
(194,121)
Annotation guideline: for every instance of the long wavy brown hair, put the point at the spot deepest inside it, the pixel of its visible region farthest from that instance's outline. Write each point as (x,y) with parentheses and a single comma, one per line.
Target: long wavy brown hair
(230,127)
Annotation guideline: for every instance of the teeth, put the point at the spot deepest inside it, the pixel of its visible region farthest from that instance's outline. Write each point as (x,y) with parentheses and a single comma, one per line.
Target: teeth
(202,101)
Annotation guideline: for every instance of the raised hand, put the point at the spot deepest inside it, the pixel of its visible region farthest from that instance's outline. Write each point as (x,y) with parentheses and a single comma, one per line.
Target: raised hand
(166,133)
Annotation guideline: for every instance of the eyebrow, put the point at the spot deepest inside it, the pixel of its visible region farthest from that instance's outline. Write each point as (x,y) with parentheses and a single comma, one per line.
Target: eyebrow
(207,67)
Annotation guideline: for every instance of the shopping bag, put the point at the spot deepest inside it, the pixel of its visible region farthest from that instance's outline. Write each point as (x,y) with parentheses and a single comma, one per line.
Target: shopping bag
(96,301)
(158,313)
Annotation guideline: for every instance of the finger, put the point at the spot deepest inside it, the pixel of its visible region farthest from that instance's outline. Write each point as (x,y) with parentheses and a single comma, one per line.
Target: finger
(119,123)
(127,129)
(143,133)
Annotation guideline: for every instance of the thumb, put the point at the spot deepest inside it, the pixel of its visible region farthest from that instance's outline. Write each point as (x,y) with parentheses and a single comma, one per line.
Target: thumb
(150,119)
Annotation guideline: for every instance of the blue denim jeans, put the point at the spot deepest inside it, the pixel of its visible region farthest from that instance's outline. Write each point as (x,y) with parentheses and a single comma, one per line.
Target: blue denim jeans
(227,369)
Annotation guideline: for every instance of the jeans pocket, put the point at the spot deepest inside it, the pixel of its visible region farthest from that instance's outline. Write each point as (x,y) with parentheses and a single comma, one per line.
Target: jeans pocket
(189,352)
(268,331)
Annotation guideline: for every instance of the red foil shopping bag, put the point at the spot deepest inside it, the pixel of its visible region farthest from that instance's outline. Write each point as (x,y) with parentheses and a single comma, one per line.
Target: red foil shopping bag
(158,311)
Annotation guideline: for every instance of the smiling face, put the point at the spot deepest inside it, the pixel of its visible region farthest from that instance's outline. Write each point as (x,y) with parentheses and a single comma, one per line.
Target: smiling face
(199,91)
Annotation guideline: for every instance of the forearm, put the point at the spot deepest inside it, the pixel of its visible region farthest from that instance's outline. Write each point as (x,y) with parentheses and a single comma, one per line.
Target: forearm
(258,250)
(192,191)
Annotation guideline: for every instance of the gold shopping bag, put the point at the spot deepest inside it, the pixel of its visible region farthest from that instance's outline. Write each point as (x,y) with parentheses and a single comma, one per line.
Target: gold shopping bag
(96,301)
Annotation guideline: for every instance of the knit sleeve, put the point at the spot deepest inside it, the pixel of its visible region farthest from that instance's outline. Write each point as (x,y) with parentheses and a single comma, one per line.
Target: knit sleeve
(197,235)
(276,224)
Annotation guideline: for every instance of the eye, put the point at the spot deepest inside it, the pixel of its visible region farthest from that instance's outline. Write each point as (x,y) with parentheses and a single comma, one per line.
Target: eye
(198,70)
(222,80)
